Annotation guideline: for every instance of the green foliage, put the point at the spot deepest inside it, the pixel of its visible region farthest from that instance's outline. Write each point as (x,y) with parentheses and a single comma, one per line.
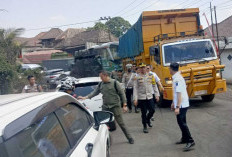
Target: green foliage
(98,26)
(118,26)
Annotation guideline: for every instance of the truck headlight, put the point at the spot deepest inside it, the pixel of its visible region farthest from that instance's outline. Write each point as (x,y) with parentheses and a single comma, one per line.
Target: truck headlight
(218,74)
(168,81)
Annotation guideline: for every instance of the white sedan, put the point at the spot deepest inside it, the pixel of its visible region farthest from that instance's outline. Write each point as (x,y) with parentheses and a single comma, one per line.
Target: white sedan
(51,125)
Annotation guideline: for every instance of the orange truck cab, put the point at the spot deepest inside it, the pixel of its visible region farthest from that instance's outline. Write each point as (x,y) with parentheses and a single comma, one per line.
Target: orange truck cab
(166,36)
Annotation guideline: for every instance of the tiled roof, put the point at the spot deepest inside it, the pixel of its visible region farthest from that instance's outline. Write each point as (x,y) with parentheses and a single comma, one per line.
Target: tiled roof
(224,28)
(70,33)
(95,36)
(52,34)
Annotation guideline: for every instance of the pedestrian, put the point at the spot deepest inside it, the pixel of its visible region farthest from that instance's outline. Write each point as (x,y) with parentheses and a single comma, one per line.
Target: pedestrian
(180,105)
(128,83)
(143,86)
(113,94)
(157,79)
(134,66)
(67,85)
(32,86)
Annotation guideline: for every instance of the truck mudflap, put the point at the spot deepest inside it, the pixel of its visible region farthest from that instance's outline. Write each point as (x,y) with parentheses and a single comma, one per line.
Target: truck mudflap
(201,81)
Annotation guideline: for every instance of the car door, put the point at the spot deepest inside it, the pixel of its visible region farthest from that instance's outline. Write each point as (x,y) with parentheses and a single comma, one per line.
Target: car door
(79,127)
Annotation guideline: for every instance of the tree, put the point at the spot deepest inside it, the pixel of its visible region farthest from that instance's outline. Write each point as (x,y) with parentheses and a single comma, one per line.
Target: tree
(118,26)
(9,51)
(98,26)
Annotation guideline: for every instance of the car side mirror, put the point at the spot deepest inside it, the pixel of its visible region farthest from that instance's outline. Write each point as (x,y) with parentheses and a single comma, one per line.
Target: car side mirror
(103,117)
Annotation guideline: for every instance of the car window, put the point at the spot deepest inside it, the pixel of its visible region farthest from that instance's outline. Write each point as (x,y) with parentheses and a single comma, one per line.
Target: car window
(43,139)
(75,122)
(85,88)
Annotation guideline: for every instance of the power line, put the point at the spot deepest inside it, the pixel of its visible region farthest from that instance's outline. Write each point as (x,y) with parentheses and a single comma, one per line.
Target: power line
(62,25)
(125,8)
(191,4)
(183,2)
(143,8)
(134,7)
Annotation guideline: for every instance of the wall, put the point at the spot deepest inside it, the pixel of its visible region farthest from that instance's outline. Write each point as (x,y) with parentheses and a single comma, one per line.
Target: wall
(227,73)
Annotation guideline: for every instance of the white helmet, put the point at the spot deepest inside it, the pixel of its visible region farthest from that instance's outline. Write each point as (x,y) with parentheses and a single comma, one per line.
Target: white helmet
(68,83)
(128,66)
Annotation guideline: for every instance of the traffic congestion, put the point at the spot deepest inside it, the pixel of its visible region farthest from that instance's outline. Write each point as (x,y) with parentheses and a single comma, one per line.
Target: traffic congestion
(160,87)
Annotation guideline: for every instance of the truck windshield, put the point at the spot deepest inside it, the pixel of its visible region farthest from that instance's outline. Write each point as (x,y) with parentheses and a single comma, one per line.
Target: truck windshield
(189,51)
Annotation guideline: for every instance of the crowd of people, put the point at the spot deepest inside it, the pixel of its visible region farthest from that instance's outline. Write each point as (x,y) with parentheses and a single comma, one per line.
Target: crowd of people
(138,87)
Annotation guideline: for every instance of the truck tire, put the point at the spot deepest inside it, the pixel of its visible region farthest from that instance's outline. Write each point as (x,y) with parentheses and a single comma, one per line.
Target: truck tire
(208,98)
(163,103)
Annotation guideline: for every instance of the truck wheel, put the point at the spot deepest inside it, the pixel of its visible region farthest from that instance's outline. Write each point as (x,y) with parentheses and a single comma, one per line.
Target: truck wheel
(208,98)
(164,103)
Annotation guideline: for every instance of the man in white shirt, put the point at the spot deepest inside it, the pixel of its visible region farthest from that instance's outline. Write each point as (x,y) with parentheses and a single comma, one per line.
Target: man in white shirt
(180,104)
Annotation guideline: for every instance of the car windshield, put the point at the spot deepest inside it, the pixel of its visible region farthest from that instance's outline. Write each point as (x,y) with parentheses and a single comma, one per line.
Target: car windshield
(188,51)
(85,88)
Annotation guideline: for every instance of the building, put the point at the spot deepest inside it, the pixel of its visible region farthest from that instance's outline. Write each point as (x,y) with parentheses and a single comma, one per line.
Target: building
(84,40)
(224,30)
(48,40)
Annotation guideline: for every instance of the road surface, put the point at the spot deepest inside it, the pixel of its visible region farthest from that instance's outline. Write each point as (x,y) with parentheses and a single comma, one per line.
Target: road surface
(209,123)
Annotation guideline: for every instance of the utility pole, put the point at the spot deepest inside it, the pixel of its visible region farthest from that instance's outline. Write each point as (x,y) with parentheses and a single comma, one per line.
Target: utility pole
(107,19)
(211,11)
(217,28)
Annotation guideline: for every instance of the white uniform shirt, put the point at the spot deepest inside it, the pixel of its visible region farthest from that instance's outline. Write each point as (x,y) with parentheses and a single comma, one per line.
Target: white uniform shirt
(179,86)
(157,79)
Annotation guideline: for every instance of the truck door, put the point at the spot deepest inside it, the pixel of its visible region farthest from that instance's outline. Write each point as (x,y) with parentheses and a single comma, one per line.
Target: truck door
(155,60)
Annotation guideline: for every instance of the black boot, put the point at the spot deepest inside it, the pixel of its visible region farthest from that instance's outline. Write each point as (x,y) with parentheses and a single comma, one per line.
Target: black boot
(149,123)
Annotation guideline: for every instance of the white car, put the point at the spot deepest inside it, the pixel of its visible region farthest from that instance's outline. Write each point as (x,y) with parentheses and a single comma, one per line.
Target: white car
(84,87)
(51,125)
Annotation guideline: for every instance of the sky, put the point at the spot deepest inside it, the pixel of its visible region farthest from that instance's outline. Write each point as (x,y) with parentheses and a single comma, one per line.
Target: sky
(40,15)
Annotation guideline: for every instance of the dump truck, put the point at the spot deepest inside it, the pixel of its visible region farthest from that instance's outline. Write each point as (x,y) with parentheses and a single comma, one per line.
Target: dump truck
(161,37)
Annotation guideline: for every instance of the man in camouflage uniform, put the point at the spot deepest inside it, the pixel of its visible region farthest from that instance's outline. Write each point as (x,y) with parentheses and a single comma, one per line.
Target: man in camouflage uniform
(144,84)
(113,94)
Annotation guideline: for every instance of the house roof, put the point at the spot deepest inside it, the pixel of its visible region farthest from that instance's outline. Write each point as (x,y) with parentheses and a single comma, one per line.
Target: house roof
(224,28)
(35,41)
(70,33)
(51,34)
(95,36)
(21,40)
(37,57)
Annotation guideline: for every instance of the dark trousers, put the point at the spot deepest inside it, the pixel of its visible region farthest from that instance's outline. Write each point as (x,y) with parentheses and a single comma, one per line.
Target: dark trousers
(181,120)
(129,93)
(117,111)
(147,110)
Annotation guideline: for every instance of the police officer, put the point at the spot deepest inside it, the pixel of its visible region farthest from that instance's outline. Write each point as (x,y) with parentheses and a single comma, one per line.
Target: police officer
(113,94)
(180,105)
(32,86)
(157,79)
(128,83)
(143,86)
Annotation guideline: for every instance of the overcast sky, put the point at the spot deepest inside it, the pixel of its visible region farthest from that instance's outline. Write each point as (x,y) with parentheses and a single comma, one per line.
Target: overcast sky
(34,14)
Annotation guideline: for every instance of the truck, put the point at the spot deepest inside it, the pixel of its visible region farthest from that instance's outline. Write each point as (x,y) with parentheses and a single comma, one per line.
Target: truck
(89,62)
(161,37)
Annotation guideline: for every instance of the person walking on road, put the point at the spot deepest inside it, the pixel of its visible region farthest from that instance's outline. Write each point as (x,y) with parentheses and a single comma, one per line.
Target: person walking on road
(32,87)
(157,80)
(143,86)
(128,83)
(180,105)
(113,94)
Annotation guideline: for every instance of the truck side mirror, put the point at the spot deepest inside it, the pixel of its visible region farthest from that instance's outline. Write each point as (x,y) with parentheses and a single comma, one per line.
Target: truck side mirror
(154,51)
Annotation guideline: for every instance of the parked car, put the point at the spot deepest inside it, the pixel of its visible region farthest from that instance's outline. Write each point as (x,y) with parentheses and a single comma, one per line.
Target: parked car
(53,76)
(31,66)
(51,124)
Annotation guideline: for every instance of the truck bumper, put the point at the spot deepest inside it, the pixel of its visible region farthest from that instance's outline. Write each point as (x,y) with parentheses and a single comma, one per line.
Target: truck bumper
(199,89)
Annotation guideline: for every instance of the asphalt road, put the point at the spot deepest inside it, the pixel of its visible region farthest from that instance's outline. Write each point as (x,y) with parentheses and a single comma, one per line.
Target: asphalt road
(210,125)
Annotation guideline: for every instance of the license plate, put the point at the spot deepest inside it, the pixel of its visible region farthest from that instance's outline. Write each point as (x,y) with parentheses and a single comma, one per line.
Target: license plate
(201,92)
